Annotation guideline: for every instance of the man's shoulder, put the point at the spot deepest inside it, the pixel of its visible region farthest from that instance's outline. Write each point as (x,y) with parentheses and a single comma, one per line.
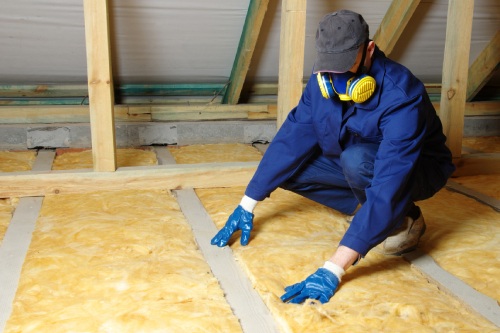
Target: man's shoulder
(398,79)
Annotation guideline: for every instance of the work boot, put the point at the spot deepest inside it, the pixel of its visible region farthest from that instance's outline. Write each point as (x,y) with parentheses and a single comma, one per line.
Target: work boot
(406,237)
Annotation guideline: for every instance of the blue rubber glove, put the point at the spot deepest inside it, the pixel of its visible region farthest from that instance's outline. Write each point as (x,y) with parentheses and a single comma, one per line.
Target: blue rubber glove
(240,219)
(320,286)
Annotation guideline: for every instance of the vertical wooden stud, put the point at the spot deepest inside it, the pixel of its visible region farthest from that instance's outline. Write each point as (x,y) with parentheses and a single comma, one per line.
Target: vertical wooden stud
(455,71)
(100,84)
(291,57)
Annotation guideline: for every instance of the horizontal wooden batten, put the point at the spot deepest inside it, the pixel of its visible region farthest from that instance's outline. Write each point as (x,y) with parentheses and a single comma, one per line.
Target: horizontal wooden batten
(477,164)
(179,176)
(489,108)
(81,90)
(213,112)
(23,93)
(46,114)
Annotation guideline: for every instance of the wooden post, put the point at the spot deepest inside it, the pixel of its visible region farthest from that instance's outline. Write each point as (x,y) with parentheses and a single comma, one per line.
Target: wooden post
(100,84)
(455,72)
(291,58)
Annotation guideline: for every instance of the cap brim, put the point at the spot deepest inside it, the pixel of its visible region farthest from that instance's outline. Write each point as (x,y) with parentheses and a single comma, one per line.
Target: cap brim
(335,62)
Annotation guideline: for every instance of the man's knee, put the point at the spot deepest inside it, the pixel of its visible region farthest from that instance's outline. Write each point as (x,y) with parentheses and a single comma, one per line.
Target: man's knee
(357,164)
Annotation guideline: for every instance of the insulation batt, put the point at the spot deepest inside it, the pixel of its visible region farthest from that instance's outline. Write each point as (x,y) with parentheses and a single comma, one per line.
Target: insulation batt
(126,261)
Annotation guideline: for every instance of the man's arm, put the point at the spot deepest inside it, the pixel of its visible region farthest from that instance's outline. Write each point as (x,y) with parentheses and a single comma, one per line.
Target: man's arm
(344,257)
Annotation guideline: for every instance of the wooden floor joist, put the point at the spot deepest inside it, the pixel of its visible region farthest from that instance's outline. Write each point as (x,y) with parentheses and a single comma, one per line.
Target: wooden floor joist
(22,184)
(477,164)
(181,176)
(481,304)
(246,303)
(16,242)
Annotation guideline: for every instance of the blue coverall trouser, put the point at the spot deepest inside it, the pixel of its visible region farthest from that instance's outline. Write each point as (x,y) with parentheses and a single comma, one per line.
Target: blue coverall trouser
(340,183)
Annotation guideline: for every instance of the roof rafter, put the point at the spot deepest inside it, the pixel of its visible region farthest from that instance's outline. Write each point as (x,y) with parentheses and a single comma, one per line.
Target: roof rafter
(483,68)
(251,29)
(394,22)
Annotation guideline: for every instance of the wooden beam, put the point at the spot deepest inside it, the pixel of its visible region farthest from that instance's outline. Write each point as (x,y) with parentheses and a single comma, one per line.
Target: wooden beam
(251,29)
(179,176)
(483,68)
(291,57)
(53,114)
(490,108)
(211,112)
(100,84)
(48,114)
(394,22)
(78,90)
(477,164)
(455,67)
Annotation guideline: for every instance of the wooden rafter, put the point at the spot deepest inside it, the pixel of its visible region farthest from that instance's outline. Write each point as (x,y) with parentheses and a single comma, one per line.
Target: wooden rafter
(251,29)
(394,22)
(483,68)
(100,84)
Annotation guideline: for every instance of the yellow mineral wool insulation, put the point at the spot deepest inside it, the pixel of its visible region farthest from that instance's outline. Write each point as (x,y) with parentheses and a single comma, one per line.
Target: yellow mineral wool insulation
(66,160)
(12,161)
(293,236)
(489,144)
(117,262)
(7,207)
(463,237)
(486,184)
(210,153)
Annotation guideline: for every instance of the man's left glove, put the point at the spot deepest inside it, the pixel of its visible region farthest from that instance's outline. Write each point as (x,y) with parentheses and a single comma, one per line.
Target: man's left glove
(240,219)
(320,286)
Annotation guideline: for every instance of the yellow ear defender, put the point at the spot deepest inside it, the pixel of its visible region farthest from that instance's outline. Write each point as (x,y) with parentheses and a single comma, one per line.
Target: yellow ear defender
(325,85)
(349,88)
(362,88)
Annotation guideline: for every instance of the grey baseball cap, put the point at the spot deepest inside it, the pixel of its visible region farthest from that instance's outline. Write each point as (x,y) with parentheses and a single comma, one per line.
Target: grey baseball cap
(338,39)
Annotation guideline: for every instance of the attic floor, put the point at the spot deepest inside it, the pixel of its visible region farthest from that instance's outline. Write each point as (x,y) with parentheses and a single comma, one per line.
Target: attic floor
(139,261)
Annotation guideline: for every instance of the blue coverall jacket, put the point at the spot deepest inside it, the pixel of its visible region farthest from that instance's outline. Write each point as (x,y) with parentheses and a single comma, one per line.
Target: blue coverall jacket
(399,117)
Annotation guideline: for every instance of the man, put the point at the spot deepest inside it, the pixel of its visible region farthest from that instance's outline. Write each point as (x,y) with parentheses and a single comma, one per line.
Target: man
(364,137)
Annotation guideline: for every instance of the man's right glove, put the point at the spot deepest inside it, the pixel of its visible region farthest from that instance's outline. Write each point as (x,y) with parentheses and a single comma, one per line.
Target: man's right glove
(240,219)
(320,286)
